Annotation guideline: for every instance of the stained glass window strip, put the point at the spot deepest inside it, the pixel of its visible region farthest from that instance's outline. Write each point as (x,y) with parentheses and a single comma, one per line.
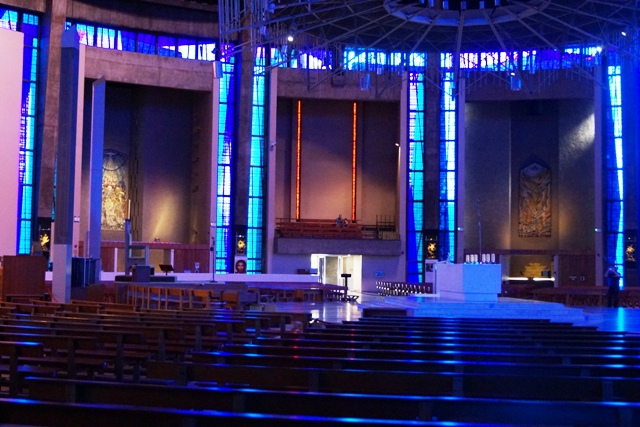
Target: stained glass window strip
(448,160)
(141,42)
(226,138)
(415,190)
(614,169)
(255,229)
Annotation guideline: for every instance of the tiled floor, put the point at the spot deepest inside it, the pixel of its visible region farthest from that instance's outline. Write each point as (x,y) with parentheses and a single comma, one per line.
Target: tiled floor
(606,319)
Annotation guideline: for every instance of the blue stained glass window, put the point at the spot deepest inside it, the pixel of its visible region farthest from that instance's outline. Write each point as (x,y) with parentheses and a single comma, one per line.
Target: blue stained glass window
(415,191)
(255,218)
(146,43)
(614,170)
(448,159)
(226,137)
(187,49)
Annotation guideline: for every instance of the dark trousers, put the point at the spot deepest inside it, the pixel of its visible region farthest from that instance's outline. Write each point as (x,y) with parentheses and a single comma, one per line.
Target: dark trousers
(612,296)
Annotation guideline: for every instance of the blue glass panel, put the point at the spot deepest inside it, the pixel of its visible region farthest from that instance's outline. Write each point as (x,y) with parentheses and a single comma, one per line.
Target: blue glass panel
(146,43)
(127,40)
(87,34)
(187,48)
(9,19)
(166,46)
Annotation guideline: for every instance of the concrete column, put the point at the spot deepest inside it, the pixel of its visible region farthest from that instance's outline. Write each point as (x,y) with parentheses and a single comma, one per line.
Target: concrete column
(52,28)
(213,204)
(242,149)
(460,188)
(93,238)
(403,180)
(66,154)
(270,193)
(598,154)
(432,97)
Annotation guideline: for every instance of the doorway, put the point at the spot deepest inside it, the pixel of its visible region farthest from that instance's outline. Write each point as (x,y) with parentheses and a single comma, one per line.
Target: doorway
(331,267)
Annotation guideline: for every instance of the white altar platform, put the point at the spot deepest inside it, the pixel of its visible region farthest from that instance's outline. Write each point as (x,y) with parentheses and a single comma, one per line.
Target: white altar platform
(468,282)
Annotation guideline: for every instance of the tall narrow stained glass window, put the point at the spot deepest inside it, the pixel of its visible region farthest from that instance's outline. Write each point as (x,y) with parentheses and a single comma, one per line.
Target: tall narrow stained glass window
(448,161)
(255,230)
(614,171)
(226,137)
(415,190)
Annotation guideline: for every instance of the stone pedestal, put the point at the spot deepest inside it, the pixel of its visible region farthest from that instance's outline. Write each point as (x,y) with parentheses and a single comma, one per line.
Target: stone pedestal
(469,282)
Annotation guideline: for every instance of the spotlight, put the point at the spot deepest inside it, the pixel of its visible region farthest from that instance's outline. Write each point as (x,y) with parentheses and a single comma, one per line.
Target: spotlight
(290,37)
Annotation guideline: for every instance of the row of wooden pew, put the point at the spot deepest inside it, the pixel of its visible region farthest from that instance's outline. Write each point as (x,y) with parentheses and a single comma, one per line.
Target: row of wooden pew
(277,369)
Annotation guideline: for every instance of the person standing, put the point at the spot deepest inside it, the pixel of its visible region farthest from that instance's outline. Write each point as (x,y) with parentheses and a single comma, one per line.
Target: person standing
(613,284)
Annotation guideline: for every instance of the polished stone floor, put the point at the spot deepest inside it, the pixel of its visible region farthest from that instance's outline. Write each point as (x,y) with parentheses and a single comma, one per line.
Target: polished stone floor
(606,319)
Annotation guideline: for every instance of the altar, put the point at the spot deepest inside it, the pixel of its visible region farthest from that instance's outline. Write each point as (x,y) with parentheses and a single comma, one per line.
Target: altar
(469,282)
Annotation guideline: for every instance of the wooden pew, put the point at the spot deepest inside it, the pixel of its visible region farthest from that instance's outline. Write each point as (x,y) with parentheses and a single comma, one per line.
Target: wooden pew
(14,352)
(63,414)
(60,352)
(542,382)
(576,358)
(352,405)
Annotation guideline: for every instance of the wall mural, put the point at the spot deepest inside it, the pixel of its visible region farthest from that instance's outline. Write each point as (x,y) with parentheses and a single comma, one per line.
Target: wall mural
(114,190)
(535,202)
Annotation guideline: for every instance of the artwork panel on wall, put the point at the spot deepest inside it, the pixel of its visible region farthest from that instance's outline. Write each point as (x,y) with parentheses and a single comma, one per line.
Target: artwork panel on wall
(114,190)
(534,201)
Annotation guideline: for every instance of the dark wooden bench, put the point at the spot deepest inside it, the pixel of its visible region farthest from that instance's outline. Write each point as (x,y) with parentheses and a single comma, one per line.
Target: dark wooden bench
(15,352)
(64,414)
(351,405)
(425,355)
(542,382)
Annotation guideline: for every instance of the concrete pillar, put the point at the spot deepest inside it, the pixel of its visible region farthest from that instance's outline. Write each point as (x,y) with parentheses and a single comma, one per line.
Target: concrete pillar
(242,149)
(94,220)
(53,25)
(66,165)
(271,164)
(432,95)
(460,156)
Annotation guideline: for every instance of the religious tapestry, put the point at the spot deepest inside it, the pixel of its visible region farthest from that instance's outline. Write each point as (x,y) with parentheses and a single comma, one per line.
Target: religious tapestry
(114,190)
(534,201)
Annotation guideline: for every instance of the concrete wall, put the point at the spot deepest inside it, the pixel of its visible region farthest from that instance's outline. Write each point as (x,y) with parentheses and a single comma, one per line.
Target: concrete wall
(326,159)
(488,179)
(576,175)
(534,138)
(379,160)
(157,131)
(166,164)
(502,138)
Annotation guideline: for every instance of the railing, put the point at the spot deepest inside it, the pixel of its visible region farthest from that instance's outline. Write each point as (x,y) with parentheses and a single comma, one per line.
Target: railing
(402,288)
(330,229)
